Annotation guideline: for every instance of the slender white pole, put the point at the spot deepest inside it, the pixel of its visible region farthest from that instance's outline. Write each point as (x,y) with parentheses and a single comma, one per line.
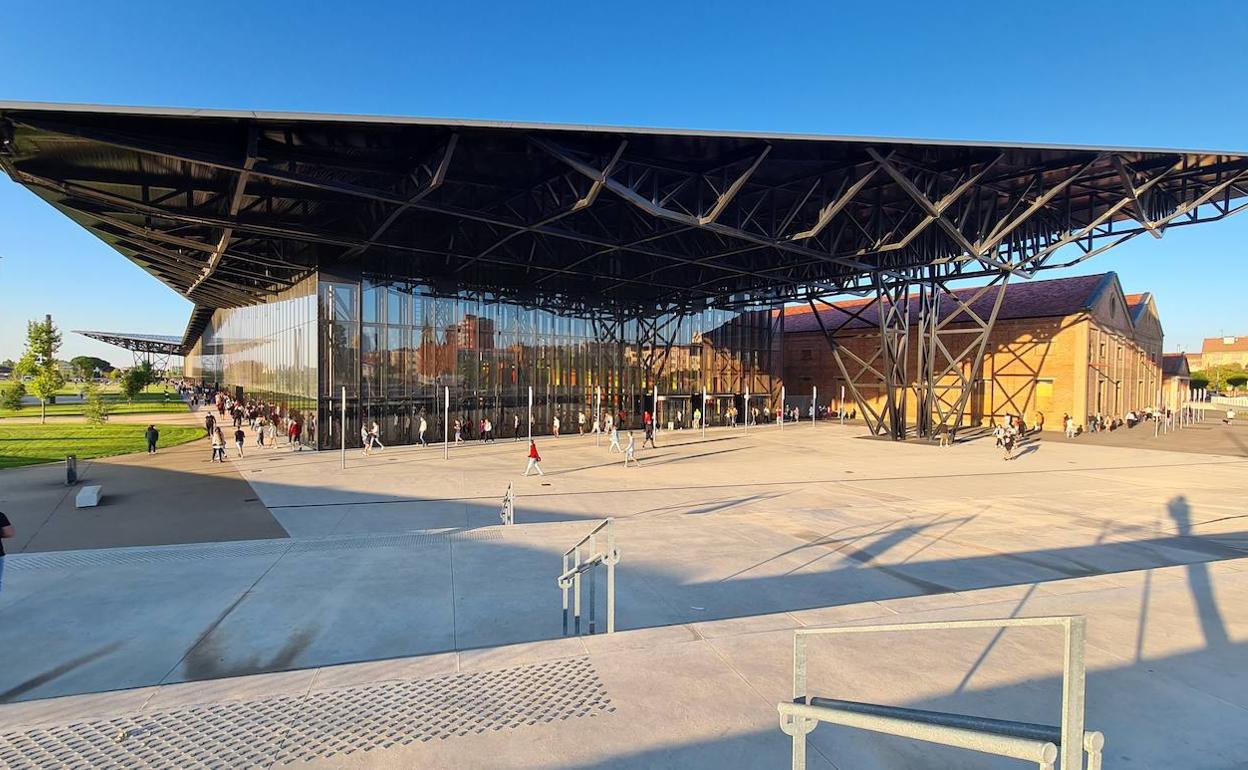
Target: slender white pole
(747,409)
(530,413)
(446,422)
(656,409)
(814,402)
(782,410)
(598,416)
(344,427)
(703,413)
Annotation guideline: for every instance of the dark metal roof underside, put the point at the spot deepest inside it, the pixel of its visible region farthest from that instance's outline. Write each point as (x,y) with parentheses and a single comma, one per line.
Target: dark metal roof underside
(229,208)
(163,344)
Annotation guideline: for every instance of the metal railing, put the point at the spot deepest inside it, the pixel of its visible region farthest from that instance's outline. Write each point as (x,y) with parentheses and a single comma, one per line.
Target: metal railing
(1039,743)
(508,512)
(585,557)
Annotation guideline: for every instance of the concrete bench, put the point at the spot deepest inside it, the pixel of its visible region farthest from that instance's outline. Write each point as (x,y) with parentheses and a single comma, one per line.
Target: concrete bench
(89,496)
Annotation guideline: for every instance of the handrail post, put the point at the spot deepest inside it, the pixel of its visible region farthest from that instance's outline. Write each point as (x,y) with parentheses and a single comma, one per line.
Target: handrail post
(1073,689)
(576,591)
(565,587)
(612,558)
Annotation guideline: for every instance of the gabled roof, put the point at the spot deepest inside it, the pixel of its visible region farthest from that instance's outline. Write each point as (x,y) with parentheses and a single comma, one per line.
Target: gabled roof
(1174,365)
(1031,299)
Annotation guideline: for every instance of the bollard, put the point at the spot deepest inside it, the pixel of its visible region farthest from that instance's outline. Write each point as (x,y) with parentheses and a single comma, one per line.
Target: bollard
(71,470)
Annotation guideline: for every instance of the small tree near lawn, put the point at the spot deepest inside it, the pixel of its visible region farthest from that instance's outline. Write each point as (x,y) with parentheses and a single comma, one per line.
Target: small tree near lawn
(11,395)
(39,363)
(95,409)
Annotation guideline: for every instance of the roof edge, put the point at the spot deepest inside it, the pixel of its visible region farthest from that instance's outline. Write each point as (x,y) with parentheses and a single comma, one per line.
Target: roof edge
(192,112)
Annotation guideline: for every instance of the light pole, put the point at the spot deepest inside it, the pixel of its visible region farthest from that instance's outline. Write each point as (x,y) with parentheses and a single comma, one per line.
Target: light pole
(782,412)
(446,422)
(598,416)
(530,413)
(747,409)
(814,403)
(344,427)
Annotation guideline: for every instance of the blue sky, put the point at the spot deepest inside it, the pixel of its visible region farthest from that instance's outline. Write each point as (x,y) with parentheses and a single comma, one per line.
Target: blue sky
(1133,73)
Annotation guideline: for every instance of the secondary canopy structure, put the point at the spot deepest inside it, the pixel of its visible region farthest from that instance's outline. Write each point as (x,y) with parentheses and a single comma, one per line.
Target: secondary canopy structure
(229,207)
(152,347)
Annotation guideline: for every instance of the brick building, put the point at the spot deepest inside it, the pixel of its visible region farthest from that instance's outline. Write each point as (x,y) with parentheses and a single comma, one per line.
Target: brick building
(1068,345)
(1223,351)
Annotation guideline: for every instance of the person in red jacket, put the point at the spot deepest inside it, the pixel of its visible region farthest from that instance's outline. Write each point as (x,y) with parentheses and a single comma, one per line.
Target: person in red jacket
(535,459)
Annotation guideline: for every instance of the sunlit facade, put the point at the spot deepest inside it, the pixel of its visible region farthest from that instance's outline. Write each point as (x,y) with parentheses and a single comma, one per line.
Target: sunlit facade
(399,351)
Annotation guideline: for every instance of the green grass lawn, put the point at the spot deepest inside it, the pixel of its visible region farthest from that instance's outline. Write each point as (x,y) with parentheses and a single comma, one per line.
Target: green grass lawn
(149,402)
(30,444)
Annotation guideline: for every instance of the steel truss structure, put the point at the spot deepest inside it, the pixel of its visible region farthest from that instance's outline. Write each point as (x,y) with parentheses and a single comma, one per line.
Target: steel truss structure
(229,208)
(155,348)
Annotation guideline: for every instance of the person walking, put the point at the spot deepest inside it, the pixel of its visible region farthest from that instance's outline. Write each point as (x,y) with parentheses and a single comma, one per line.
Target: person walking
(424,426)
(487,430)
(535,460)
(218,445)
(555,426)
(210,422)
(1068,423)
(630,451)
(366,441)
(580,423)
(697,418)
(459,437)
(648,433)
(614,446)
(239,438)
(296,433)
(6,533)
(1008,440)
(515,427)
(260,426)
(152,435)
(375,432)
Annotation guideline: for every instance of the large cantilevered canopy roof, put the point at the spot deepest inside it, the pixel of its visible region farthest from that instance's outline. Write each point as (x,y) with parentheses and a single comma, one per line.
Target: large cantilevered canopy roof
(230,207)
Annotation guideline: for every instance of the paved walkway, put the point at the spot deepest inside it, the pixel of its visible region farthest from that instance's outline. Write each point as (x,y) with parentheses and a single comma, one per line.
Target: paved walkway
(173,496)
(400,617)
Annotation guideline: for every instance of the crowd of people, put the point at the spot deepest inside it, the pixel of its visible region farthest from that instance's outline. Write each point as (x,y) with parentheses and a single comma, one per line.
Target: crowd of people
(271,424)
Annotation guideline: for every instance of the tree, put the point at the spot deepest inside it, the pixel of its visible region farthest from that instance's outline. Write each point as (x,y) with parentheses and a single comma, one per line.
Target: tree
(132,383)
(39,362)
(11,395)
(146,374)
(1199,381)
(1237,379)
(94,409)
(86,366)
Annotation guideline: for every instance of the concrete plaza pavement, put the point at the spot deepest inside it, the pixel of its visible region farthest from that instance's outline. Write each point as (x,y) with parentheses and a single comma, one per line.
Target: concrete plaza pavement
(397,585)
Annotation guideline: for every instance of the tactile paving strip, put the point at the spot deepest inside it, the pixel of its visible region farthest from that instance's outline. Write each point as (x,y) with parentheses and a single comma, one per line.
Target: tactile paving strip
(237,550)
(290,729)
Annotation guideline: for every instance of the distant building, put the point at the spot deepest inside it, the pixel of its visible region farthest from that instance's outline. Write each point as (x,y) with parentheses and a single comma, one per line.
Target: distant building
(1223,351)
(1070,345)
(1176,380)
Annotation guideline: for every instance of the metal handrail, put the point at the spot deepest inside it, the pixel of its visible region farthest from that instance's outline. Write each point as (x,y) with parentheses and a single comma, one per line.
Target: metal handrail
(575,563)
(1020,740)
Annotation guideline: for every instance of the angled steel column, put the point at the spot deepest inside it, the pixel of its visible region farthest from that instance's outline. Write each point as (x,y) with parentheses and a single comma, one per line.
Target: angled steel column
(894,325)
(951,343)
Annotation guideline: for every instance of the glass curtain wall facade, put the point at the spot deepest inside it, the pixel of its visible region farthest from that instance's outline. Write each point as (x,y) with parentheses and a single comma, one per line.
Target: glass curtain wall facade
(398,351)
(267,354)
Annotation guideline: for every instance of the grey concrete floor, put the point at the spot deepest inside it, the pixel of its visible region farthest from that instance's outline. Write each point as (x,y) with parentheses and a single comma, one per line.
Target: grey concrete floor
(397,576)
